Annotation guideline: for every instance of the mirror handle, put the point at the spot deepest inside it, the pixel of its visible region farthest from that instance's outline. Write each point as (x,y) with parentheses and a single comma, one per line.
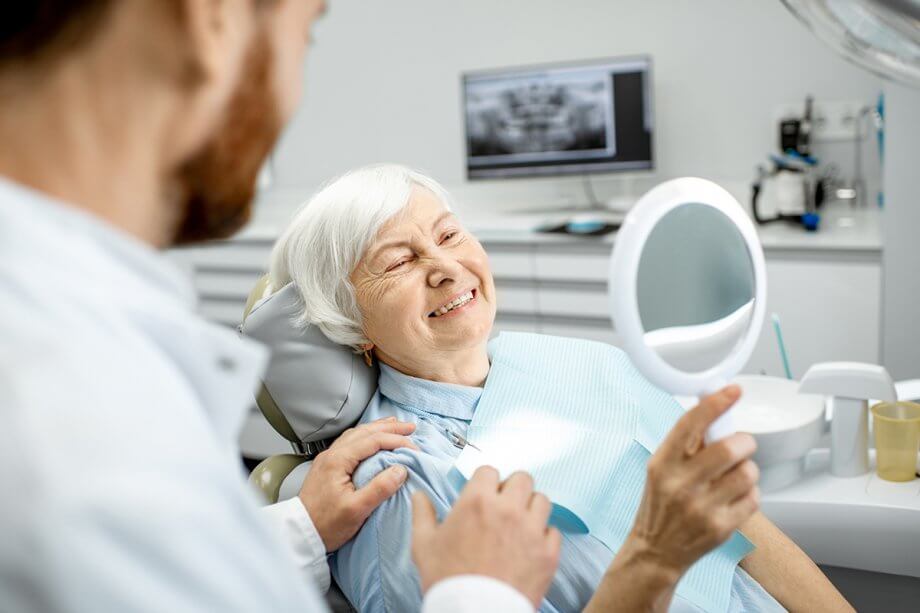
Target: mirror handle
(721,428)
(724,426)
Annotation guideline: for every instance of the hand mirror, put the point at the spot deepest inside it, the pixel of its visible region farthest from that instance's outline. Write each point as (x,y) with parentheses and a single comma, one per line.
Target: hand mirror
(688,289)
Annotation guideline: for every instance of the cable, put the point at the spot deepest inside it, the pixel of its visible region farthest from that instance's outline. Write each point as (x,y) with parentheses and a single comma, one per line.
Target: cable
(589,191)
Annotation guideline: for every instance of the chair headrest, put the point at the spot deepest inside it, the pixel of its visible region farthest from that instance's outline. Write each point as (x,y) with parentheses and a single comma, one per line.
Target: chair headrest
(313,388)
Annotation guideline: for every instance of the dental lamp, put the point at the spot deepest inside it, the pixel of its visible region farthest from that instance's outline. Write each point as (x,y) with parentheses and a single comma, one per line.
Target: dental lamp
(882,36)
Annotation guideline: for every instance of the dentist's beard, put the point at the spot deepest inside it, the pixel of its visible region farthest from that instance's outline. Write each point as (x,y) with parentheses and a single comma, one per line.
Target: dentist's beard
(216,188)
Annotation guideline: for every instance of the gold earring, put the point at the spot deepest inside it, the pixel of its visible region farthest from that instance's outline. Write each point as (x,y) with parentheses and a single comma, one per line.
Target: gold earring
(368,358)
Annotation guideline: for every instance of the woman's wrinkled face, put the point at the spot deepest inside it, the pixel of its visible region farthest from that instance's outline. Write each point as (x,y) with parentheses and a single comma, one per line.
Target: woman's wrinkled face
(424,285)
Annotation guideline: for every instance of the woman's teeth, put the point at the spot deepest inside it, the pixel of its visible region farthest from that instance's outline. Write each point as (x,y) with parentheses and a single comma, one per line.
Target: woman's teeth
(450,306)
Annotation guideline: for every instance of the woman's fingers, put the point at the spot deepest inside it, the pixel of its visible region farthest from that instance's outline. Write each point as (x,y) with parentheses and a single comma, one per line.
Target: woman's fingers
(735,484)
(739,511)
(690,428)
(719,457)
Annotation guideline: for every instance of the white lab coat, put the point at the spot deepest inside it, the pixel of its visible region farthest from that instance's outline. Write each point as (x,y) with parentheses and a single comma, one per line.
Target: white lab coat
(122,488)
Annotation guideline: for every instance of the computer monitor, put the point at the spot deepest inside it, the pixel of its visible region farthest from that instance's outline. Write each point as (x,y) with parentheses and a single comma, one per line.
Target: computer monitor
(577,118)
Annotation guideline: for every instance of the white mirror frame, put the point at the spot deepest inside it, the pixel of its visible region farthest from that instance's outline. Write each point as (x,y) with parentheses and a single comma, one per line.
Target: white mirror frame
(623,289)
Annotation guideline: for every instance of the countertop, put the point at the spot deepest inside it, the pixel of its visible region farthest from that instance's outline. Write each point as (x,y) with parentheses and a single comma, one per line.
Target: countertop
(842,229)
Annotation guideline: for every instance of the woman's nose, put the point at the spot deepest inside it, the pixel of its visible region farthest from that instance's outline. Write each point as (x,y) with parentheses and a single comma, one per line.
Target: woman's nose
(443,270)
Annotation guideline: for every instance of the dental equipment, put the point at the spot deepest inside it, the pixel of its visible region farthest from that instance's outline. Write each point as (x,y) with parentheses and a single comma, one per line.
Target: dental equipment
(849,385)
(782,346)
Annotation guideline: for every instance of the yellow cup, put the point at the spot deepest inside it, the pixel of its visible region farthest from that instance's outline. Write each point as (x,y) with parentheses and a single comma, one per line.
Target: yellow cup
(897,439)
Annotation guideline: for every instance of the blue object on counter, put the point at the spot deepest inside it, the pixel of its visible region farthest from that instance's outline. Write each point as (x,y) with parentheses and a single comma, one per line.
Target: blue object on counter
(584,226)
(793,160)
(782,346)
(811,221)
(880,133)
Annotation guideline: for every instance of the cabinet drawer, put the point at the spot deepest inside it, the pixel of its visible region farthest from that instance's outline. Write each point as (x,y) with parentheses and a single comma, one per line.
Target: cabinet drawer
(516,298)
(583,265)
(590,330)
(511,323)
(576,300)
(511,261)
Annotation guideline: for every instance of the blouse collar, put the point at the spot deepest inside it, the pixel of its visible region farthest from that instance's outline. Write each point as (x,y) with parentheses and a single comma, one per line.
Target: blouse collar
(445,399)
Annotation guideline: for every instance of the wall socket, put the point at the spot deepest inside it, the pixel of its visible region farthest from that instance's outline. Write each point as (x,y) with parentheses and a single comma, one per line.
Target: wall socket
(833,120)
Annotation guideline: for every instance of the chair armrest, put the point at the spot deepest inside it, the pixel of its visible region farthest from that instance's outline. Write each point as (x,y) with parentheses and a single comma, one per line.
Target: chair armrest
(272,471)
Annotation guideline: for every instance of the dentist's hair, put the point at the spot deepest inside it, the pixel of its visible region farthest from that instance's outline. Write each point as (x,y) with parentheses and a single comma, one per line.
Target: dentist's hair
(327,237)
(46,31)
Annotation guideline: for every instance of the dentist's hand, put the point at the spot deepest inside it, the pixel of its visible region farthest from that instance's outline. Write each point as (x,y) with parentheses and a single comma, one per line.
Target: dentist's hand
(495,529)
(696,496)
(337,509)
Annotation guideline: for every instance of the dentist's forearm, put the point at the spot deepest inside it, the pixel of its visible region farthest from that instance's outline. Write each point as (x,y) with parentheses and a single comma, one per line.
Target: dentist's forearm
(635,581)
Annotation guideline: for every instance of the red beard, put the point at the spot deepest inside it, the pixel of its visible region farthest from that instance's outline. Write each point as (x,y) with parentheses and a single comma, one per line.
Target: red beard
(217,186)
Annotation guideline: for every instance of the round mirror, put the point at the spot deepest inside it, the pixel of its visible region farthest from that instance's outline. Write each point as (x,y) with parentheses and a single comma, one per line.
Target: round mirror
(695,287)
(688,288)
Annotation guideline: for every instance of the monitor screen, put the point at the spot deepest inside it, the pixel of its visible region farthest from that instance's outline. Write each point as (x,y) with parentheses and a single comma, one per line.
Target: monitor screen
(563,119)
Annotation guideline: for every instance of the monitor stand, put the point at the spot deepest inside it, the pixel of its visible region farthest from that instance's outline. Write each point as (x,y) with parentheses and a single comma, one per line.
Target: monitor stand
(614,208)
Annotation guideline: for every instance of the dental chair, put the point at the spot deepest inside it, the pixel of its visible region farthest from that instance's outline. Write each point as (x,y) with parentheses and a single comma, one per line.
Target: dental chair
(313,390)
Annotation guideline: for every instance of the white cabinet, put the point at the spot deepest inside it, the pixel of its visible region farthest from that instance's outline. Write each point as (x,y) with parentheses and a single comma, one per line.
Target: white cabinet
(829,306)
(224,273)
(828,300)
(555,287)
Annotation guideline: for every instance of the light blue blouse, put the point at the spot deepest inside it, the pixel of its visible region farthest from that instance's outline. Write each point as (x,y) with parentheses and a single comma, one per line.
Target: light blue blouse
(375,569)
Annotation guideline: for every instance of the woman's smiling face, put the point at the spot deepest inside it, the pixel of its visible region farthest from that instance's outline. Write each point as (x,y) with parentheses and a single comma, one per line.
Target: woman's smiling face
(424,286)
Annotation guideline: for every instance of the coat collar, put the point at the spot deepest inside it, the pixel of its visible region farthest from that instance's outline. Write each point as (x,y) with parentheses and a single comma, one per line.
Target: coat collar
(84,261)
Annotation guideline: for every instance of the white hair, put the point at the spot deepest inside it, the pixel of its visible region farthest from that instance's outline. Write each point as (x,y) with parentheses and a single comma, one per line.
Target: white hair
(327,237)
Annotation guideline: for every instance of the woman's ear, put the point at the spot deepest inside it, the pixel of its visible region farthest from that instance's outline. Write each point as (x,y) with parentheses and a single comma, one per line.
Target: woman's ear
(368,355)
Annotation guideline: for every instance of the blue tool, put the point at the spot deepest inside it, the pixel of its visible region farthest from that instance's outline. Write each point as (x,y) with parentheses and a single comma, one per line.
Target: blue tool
(782,345)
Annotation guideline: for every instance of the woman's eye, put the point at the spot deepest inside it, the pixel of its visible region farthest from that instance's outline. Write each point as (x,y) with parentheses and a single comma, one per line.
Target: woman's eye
(396,265)
(448,236)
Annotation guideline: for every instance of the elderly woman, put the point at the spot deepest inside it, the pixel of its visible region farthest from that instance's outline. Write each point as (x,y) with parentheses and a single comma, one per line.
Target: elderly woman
(384,266)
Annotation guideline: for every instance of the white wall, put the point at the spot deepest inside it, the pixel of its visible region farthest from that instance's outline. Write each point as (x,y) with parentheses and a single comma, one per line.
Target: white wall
(382,84)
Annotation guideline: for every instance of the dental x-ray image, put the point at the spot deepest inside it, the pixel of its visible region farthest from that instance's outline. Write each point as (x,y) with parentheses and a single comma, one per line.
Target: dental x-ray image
(555,115)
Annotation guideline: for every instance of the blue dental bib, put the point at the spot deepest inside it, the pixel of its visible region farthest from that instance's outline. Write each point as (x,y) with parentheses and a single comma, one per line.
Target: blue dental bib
(581,419)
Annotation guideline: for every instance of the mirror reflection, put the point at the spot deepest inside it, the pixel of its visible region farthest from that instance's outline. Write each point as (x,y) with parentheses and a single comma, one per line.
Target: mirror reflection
(695,287)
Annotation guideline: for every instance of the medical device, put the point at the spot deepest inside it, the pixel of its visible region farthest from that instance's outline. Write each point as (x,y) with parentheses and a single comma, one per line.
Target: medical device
(585,117)
(688,289)
(850,385)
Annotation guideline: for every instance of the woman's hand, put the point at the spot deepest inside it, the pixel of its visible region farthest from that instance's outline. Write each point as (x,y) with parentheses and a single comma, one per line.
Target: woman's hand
(495,529)
(694,498)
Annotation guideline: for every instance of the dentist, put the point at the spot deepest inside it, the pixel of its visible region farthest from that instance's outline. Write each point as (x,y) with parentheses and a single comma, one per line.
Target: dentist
(130,126)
